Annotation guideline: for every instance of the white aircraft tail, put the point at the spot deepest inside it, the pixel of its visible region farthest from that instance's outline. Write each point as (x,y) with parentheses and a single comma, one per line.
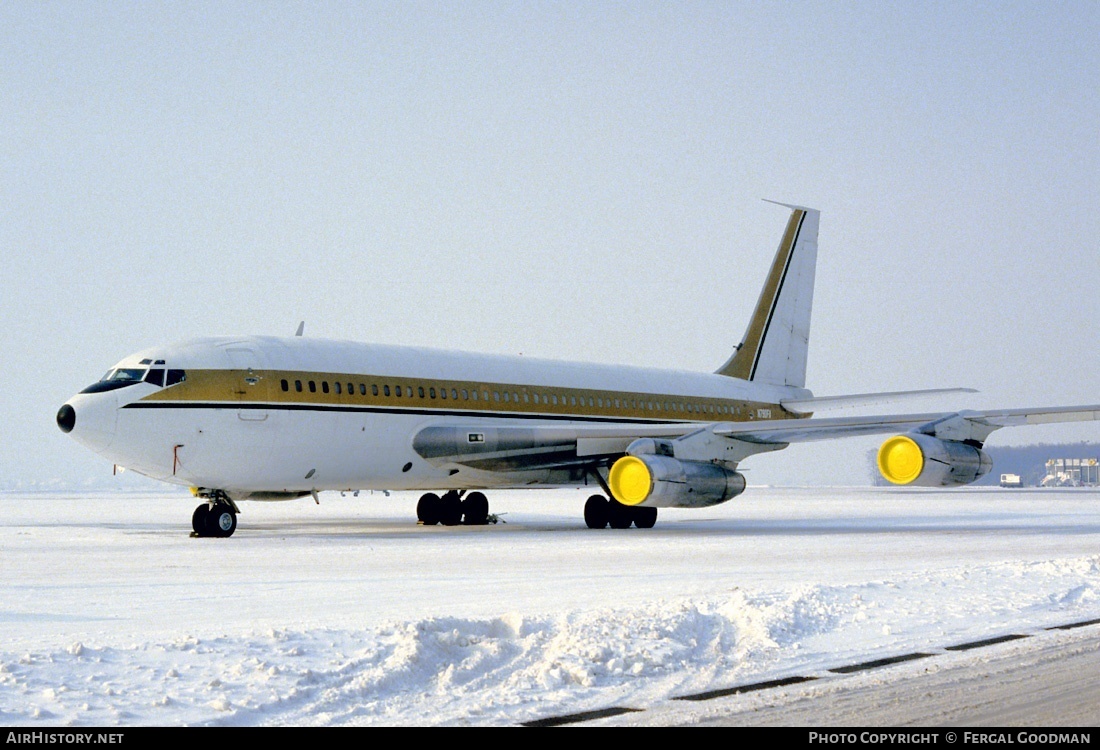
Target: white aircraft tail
(776,341)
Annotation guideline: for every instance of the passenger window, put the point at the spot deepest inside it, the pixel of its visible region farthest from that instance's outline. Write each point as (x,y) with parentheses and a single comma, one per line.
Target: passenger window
(397,390)
(324,386)
(465,395)
(431,392)
(473,395)
(336,387)
(496,395)
(285,385)
(420,391)
(175,376)
(312,387)
(156,377)
(485,395)
(443,393)
(386,390)
(526,398)
(362,389)
(374,389)
(298,385)
(454,393)
(506,397)
(554,399)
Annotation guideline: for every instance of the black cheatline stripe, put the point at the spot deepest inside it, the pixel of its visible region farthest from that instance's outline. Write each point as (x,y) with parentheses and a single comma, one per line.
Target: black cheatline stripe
(879,663)
(986,642)
(775,300)
(557,721)
(722,692)
(217,405)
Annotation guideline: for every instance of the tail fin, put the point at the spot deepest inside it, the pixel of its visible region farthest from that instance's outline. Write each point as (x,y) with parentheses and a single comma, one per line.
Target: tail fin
(775,344)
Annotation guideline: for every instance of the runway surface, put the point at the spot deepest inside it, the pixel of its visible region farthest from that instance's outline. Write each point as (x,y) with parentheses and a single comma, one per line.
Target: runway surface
(348,613)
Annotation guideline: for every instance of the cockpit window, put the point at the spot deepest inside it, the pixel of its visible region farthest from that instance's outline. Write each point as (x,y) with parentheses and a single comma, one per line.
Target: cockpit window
(129,374)
(124,376)
(117,378)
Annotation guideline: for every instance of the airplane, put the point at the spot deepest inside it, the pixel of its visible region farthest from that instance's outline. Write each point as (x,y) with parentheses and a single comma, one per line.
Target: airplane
(278,418)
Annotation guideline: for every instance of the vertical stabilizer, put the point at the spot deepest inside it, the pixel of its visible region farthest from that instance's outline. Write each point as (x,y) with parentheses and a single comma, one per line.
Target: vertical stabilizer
(774,347)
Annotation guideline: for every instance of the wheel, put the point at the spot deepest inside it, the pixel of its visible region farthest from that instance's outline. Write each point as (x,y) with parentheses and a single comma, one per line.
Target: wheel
(428,508)
(619,516)
(450,509)
(221,521)
(475,509)
(198,520)
(645,518)
(596,512)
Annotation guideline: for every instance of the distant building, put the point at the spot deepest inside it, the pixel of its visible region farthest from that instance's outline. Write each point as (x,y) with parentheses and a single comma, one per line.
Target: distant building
(1011,480)
(1072,472)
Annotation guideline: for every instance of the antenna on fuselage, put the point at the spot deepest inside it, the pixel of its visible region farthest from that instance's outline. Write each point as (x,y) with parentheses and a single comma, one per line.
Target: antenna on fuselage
(301,329)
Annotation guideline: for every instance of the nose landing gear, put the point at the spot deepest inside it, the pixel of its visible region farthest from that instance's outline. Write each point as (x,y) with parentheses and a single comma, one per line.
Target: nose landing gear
(215,518)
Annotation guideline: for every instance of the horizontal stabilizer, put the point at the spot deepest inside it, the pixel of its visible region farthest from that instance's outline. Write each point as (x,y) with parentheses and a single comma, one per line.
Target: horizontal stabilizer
(817,403)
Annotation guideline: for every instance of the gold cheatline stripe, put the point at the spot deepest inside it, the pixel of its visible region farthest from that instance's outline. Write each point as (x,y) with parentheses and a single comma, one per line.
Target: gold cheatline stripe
(228,386)
(743,362)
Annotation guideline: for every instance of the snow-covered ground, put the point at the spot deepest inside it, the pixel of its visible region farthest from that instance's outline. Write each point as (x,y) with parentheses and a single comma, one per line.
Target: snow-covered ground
(348,613)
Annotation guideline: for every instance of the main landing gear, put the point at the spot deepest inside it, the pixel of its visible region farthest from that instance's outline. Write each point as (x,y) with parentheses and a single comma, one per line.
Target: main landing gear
(599,512)
(452,509)
(216,517)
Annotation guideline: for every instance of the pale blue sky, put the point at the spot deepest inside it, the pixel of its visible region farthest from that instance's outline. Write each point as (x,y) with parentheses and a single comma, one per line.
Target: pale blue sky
(568,180)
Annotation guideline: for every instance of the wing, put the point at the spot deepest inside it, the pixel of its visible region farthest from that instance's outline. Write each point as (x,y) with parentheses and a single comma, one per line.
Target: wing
(960,425)
(490,447)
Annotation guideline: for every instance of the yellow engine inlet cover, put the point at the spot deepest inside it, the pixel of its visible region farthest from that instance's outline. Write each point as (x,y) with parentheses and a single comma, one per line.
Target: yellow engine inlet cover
(900,460)
(630,480)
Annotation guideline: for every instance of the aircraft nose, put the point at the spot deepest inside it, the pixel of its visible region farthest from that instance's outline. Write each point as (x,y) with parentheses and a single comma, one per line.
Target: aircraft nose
(98,419)
(66,418)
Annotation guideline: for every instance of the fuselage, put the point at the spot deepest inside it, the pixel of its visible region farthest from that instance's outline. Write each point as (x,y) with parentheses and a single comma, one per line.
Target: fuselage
(269,417)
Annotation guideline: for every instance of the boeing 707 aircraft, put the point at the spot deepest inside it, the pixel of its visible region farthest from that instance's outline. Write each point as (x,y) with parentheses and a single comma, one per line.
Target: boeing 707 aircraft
(266,418)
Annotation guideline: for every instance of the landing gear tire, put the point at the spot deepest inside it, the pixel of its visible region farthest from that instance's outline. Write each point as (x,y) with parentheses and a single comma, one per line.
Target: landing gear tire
(219,521)
(619,516)
(450,512)
(645,518)
(596,512)
(475,509)
(198,520)
(428,509)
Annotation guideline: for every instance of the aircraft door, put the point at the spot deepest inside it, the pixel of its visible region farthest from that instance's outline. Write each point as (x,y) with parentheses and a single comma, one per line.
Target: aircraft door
(249,383)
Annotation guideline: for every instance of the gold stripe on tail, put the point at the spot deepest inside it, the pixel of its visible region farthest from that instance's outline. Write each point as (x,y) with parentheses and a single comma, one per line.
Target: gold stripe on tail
(743,362)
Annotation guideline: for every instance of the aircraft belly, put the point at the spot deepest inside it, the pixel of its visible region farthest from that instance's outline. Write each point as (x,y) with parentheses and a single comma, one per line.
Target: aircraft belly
(296,450)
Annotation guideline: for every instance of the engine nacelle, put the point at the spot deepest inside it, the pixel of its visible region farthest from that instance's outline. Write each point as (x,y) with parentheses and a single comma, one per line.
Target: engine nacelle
(925,461)
(657,481)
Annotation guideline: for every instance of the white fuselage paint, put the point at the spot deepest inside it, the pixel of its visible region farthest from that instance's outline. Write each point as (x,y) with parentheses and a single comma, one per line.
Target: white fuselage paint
(288,449)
